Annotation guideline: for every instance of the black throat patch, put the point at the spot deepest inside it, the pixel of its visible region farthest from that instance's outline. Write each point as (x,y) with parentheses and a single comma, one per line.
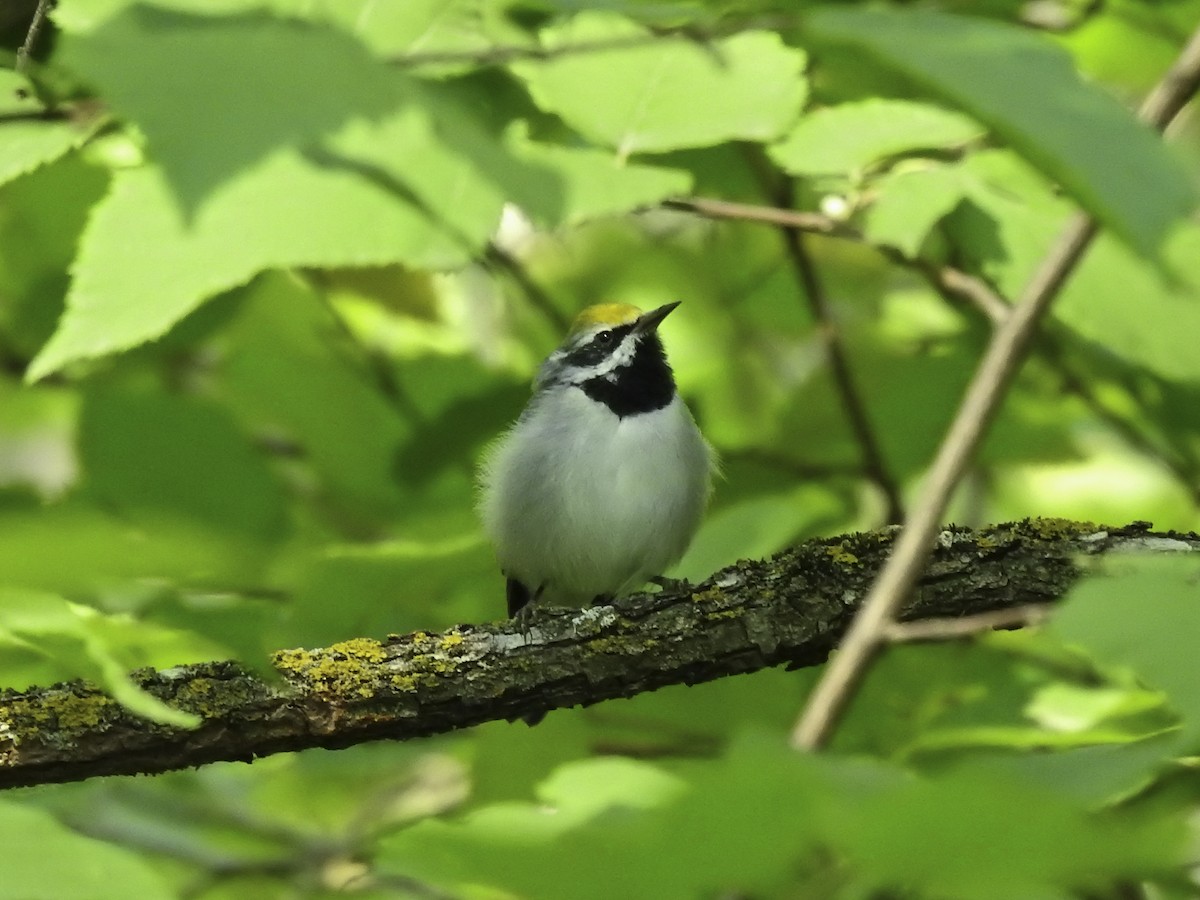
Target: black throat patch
(646,384)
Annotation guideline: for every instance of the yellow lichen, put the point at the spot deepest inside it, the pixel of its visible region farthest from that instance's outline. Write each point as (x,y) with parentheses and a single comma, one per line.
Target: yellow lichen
(361,648)
(723,614)
(348,667)
(1056,528)
(710,595)
(63,711)
(840,554)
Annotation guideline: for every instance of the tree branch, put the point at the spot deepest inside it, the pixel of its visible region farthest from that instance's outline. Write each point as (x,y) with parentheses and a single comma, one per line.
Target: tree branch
(852,403)
(946,279)
(25,51)
(1001,360)
(790,609)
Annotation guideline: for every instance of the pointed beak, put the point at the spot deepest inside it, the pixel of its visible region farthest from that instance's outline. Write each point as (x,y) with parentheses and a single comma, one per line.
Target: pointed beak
(651,320)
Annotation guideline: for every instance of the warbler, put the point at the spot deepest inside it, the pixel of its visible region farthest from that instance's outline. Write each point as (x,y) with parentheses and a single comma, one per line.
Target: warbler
(603,480)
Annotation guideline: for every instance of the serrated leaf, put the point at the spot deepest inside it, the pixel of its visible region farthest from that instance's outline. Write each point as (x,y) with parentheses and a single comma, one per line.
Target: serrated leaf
(670,93)
(909,203)
(27,139)
(267,83)
(1024,88)
(43,858)
(595,182)
(84,643)
(1143,615)
(41,218)
(849,137)
(142,266)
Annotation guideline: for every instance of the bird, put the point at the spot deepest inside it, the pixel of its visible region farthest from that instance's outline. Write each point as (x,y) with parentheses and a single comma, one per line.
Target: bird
(603,480)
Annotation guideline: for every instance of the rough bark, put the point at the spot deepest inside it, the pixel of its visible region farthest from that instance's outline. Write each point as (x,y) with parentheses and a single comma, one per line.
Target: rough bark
(790,609)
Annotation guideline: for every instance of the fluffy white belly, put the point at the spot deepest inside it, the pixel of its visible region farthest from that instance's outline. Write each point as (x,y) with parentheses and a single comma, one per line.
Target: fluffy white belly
(587,503)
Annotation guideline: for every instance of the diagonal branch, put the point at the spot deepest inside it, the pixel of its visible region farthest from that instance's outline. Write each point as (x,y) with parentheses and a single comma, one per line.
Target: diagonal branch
(25,51)
(790,609)
(987,389)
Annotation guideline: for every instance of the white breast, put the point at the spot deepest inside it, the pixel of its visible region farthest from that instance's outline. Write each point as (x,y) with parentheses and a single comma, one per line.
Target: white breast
(590,504)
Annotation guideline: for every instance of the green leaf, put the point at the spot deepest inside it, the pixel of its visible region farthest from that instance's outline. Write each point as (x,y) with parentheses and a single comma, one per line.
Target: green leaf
(41,216)
(584,789)
(283,376)
(761,817)
(73,548)
(1024,88)
(267,83)
(142,267)
(595,182)
(953,836)
(850,137)
(1092,775)
(1143,615)
(142,450)
(669,93)
(909,203)
(43,858)
(28,138)
(85,643)
(1133,310)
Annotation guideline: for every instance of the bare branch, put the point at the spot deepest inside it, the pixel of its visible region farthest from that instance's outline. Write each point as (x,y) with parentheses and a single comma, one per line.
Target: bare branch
(781,188)
(1000,362)
(967,626)
(946,279)
(25,51)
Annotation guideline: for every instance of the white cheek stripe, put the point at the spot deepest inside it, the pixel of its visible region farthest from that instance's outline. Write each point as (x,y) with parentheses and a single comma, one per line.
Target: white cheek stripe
(622,355)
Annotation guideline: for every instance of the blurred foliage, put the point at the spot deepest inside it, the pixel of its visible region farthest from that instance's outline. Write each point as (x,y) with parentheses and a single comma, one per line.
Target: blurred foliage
(272,274)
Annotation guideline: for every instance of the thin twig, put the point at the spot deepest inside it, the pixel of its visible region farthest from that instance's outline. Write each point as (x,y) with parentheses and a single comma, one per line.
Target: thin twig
(876,470)
(25,52)
(817,223)
(1000,362)
(963,285)
(967,626)
(1175,88)
(852,403)
(948,280)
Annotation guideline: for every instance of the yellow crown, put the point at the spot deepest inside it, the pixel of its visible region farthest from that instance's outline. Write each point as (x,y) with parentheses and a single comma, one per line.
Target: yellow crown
(605,314)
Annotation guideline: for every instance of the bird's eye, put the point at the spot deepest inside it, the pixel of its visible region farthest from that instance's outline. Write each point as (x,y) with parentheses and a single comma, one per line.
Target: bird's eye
(604,339)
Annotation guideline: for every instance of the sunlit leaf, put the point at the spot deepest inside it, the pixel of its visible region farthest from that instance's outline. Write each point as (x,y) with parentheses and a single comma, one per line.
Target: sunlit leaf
(1023,87)
(30,136)
(849,137)
(909,203)
(269,83)
(1144,616)
(668,93)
